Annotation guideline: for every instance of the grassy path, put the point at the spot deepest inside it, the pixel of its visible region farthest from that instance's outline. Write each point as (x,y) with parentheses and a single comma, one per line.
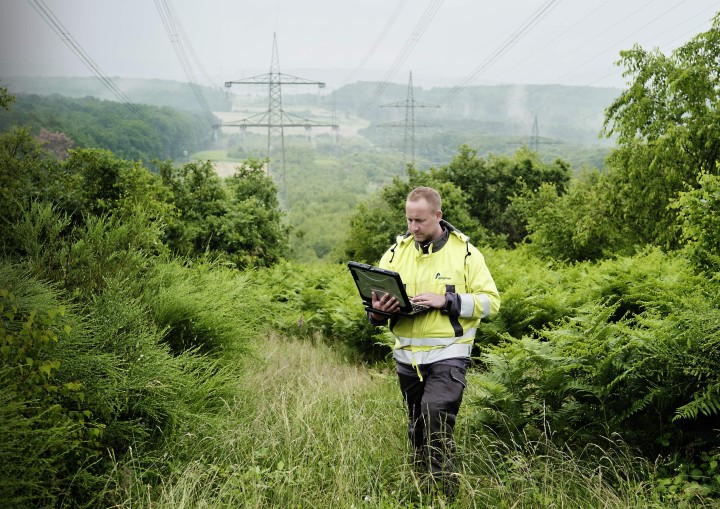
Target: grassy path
(307,430)
(310,430)
(327,433)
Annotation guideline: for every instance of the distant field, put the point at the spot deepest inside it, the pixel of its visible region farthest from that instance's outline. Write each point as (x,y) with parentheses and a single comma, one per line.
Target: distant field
(212,155)
(224,165)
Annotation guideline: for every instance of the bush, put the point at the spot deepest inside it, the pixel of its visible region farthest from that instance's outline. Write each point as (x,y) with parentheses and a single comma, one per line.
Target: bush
(84,386)
(633,353)
(574,226)
(206,307)
(49,431)
(82,257)
(321,301)
(700,223)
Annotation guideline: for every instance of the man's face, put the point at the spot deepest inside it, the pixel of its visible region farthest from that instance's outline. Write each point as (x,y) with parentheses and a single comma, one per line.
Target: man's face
(422,221)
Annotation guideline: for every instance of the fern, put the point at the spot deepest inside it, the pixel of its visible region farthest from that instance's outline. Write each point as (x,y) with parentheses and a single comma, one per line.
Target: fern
(706,403)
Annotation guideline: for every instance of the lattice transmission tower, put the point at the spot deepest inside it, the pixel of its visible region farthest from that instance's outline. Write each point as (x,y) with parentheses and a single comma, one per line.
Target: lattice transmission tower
(275,118)
(409,136)
(535,138)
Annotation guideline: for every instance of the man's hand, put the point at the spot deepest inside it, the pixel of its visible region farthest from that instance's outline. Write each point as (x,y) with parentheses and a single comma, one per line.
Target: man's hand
(384,302)
(431,300)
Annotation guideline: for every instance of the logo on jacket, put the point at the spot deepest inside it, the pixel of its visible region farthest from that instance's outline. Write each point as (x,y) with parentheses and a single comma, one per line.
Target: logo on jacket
(441,277)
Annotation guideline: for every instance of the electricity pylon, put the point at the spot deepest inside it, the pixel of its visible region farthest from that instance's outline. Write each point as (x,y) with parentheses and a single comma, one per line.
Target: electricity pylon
(409,104)
(275,118)
(535,135)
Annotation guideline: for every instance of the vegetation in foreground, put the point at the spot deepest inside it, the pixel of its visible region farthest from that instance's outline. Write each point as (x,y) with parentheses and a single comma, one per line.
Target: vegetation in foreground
(310,429)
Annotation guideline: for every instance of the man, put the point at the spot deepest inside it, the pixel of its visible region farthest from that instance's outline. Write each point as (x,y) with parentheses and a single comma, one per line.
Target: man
(446,273)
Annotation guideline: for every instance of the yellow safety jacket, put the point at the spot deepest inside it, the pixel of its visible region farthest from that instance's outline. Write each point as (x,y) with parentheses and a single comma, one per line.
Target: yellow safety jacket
(457,270)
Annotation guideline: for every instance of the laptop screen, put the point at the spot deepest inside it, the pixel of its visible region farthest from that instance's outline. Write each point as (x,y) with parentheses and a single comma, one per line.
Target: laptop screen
(369,278)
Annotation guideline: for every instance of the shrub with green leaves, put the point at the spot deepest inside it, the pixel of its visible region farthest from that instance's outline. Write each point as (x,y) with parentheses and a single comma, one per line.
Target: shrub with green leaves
(321,301)
(573,226)
(49,431)
(110,385)
(700,222)
(635,353)
(83,256)
(533,294)
(238,218)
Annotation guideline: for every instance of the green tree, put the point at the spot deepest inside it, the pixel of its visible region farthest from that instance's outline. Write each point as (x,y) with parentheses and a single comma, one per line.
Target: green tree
(96,181)
(573,226)
(238,219)
(253,196)
(197,193)
(5,98)
(161,133)
(700,222)
(668,127)
(372,229)
(488,185)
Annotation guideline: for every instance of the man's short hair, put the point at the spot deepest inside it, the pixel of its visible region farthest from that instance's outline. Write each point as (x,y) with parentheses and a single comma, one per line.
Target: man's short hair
(430,195)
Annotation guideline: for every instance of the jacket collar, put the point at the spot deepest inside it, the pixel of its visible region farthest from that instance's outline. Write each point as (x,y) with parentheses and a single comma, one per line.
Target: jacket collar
(433,247)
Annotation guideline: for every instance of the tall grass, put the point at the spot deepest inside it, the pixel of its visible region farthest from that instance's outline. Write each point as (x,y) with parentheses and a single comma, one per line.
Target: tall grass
(86,384)
(206,306)
(309,430)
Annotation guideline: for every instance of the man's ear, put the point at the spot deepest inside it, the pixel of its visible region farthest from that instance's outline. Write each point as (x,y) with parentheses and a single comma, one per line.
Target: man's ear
(439,215)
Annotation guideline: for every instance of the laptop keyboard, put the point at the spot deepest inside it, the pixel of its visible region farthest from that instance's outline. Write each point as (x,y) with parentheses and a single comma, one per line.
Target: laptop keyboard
(419,308)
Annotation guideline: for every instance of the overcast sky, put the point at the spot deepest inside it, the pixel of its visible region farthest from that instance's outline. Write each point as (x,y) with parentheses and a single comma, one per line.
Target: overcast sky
(443,43)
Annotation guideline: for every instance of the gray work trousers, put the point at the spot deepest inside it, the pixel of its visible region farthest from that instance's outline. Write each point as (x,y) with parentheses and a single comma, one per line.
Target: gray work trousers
(433,404)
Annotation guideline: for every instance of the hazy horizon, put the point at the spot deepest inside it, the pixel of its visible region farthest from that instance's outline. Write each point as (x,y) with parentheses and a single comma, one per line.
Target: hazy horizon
(443,43)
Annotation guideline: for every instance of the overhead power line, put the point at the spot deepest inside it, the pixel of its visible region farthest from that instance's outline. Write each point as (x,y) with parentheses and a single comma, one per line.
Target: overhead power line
(415,36)
(385,30)
(538,49)
(49,17)
(186,41)
(587,61)
(579,88)
(170,27)
(518,34)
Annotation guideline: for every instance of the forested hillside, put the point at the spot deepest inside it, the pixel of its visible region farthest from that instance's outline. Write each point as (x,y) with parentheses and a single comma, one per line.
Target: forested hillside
(172,94)
(491,119)
(160,348)
(563,113)
(556,121)
(570,114)
(138,133)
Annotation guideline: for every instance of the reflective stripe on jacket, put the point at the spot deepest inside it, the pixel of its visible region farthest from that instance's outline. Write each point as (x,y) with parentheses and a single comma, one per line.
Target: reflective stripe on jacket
(456,270)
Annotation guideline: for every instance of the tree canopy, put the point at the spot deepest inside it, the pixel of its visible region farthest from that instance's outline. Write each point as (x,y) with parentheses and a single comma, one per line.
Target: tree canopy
(237,219)
(668,127)
(159,133)
(476,196)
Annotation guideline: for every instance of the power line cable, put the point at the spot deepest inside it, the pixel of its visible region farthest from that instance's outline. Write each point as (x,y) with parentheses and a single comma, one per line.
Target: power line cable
(594,58)
(385,30)
(683,37)
(578,89)
(49,17)
(186,41)
(538,49)
(518,34)
(407,48)
(614,45)
(177,44)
